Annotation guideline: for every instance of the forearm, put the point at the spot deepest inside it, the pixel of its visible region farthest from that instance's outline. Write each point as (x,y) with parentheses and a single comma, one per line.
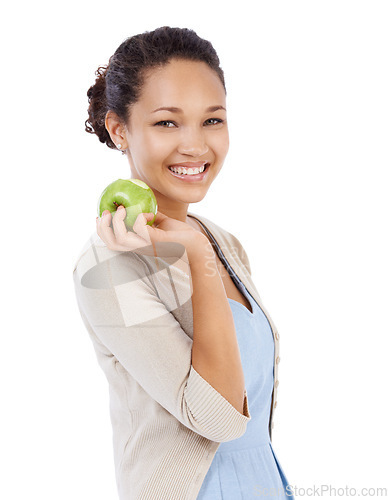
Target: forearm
(215,350)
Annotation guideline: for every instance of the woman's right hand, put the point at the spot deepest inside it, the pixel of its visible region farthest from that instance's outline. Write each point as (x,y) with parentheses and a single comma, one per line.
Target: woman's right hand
(164,229)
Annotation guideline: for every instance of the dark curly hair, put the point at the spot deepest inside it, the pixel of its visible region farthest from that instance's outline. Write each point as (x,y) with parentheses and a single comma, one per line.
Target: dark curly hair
(118,85)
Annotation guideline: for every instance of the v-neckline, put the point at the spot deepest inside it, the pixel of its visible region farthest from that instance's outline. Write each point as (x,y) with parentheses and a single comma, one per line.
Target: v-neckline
(251,314)
(224,261)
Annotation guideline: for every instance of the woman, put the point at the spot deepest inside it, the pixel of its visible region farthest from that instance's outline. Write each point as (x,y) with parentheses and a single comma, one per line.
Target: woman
(175,319)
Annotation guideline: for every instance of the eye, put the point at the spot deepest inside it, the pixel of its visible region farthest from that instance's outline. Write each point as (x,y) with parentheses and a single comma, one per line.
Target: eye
(162,122)
(217,120)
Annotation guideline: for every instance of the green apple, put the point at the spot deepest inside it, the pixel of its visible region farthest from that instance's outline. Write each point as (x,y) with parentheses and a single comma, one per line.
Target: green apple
(133,194)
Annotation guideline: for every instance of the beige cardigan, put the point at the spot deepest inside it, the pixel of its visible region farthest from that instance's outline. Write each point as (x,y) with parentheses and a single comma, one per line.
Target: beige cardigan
(167,420)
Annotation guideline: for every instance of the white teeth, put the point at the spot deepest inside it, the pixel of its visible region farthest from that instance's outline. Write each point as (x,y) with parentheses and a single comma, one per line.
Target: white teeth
(187,171)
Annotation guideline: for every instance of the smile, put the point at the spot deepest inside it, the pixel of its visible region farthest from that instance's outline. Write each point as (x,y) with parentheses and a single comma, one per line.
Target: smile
(188,174)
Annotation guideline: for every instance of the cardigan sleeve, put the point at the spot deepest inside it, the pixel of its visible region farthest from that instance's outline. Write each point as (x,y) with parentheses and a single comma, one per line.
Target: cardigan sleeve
(120,305)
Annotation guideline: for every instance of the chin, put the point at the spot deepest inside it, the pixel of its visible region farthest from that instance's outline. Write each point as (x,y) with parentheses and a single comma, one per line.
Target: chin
(193,198)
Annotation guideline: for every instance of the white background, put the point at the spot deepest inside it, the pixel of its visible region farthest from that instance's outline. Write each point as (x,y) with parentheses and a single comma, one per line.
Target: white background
(304,188)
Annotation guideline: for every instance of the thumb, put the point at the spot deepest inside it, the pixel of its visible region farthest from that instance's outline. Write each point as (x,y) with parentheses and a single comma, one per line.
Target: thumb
(159,217)
(141,227)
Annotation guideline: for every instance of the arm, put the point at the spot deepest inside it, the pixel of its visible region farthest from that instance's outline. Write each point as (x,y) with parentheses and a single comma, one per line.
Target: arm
(215,350)
(129,320)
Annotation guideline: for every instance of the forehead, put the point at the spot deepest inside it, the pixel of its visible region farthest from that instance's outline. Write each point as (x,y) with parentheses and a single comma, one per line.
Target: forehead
(182,82)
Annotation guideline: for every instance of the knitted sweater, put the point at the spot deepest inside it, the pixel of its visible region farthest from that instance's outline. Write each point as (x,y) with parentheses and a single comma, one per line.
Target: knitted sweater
(167,421)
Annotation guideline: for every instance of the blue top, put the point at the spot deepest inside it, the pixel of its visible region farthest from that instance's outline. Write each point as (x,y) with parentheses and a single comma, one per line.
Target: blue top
(247,467)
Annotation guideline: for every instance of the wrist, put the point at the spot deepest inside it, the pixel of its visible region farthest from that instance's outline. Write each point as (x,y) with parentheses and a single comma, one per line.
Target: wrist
(200,249)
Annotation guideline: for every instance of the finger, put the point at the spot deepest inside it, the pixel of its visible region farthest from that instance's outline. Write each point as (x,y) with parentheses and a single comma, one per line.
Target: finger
(119,227)
(107,235)
(104,230)
(126,239)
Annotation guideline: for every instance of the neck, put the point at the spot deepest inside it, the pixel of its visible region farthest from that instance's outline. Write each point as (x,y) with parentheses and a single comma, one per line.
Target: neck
(172,208)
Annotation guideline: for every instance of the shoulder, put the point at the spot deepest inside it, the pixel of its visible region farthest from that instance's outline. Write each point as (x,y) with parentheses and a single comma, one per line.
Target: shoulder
(98,267)
(153,272)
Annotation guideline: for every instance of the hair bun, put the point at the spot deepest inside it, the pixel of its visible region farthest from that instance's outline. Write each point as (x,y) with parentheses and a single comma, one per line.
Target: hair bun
(98,108)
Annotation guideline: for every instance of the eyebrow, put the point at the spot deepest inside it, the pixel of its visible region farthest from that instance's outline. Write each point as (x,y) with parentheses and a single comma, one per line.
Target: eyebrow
(179,110)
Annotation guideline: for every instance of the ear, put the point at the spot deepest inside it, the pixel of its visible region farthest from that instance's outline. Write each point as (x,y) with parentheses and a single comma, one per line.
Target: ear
(116,129)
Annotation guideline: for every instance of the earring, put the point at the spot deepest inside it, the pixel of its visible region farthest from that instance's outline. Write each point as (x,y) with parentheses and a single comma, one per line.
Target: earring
(118,146)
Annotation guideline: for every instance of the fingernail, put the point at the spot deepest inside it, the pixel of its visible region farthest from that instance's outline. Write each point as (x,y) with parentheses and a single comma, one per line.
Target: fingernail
(105,212)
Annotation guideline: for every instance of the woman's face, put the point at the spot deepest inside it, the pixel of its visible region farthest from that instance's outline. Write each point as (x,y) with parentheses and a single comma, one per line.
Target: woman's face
(192,133)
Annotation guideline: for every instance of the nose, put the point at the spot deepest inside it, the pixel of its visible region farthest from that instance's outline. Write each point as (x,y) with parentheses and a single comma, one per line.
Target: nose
(193,142)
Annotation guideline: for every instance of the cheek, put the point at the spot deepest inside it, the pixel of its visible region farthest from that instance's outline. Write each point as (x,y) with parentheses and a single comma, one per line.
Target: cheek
(148,150)
(221,144)
(157,145)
